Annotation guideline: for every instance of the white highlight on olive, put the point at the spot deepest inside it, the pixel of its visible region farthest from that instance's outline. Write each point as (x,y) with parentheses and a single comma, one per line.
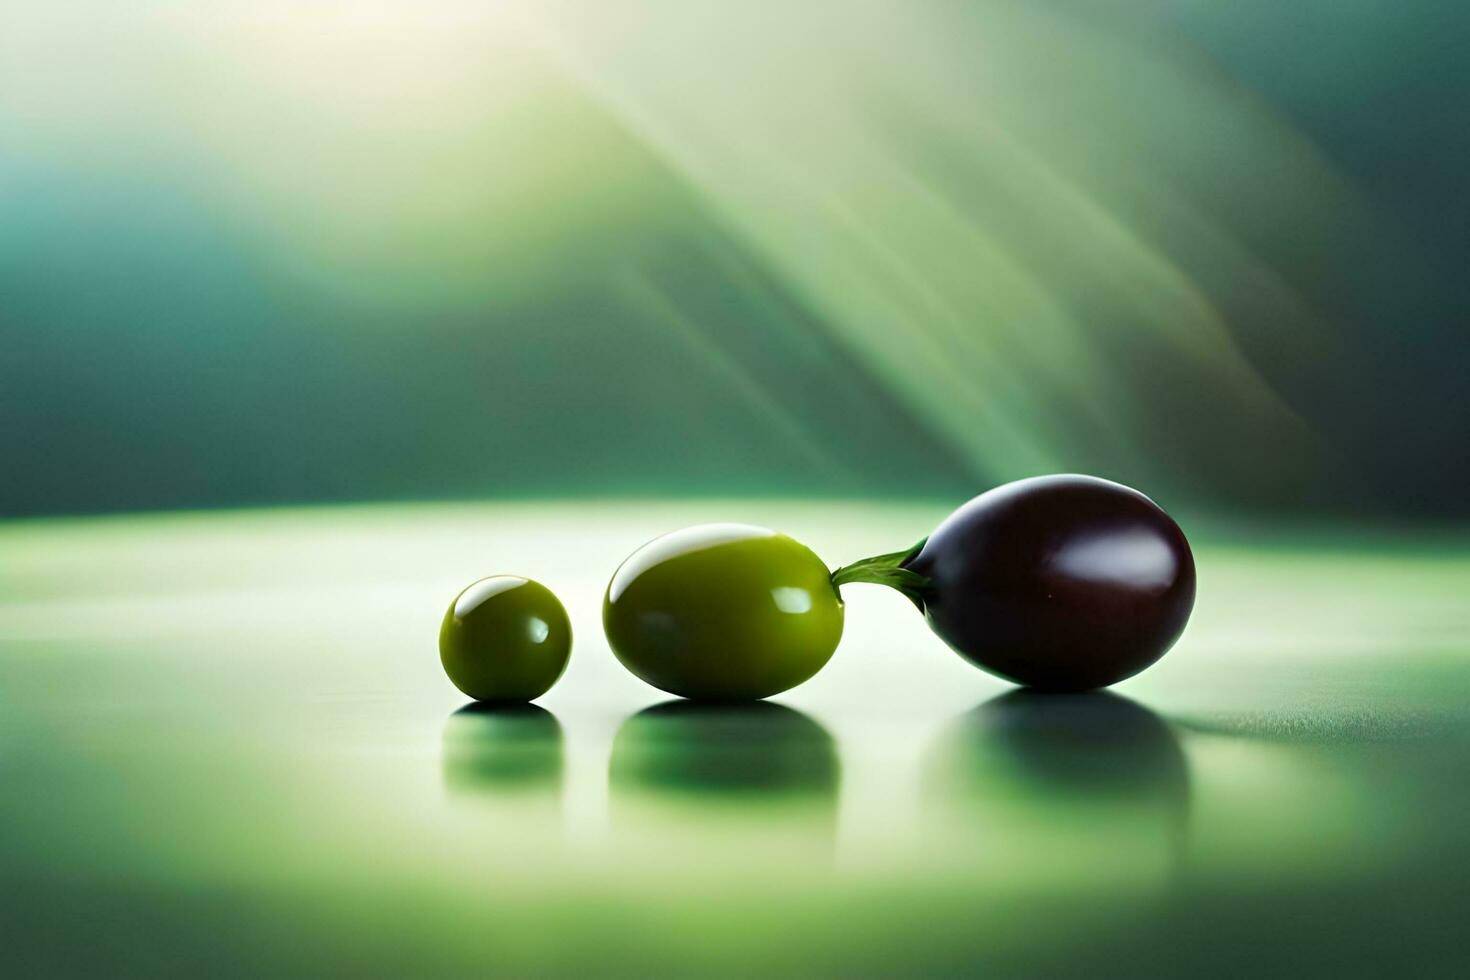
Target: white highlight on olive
(1138,557)
(477,592)
(790,600)
(676,543)
(538,629)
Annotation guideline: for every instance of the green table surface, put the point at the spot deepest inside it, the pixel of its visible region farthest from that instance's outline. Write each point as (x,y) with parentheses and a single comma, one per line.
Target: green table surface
(227,748)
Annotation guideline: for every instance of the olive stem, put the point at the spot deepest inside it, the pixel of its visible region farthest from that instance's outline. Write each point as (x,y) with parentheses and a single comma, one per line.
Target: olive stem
(887,570)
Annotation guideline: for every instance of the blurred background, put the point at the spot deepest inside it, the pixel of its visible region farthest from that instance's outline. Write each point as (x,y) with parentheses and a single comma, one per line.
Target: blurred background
(597,269)
(285,252)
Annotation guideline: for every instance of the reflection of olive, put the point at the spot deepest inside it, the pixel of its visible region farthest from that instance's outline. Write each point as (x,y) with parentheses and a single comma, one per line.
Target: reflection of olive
(1096,746)
(505,638)
(492,747)
(1077,792)
(723,612)
(753,751)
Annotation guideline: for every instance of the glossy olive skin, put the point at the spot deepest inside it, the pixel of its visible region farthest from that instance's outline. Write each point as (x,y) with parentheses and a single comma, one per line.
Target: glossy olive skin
(505,638)
(1058,582)
(723,612)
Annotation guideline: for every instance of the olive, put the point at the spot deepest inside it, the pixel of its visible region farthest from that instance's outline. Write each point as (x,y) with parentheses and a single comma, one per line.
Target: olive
(726,612)
(1056,582)
(505,638)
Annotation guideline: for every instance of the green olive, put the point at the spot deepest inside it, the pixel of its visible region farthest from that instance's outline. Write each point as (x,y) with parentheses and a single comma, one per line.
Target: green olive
(505,638)
(725,612)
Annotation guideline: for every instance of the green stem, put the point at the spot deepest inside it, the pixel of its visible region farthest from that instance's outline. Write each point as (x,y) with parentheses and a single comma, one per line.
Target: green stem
(887,570)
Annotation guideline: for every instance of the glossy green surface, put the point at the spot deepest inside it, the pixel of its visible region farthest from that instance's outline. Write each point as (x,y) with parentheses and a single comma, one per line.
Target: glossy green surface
(505,638)
(202,775)
(723,612)
(501,749)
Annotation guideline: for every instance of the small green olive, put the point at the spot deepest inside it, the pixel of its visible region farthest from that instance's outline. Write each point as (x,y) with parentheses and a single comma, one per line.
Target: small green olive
(725,612)
(505,638)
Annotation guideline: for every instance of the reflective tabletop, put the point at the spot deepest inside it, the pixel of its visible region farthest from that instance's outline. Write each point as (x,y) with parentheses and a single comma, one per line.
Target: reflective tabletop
(227,748)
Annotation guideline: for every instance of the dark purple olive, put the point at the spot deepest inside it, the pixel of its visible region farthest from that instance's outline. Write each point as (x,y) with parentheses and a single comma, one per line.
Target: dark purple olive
(1057,582)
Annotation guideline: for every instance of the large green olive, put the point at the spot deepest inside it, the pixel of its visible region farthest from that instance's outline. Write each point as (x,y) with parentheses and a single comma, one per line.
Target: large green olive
(505,638)
(724,612)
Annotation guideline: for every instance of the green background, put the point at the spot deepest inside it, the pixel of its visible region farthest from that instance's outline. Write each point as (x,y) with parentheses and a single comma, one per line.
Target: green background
(313,313)
(281,252)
